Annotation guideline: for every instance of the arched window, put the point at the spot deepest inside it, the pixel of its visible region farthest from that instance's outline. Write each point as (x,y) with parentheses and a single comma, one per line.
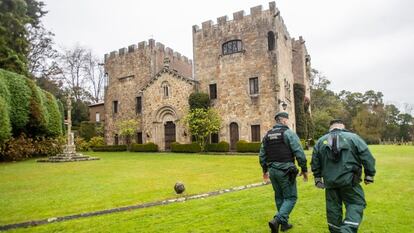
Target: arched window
(166,89)
(233,46)
(271,40)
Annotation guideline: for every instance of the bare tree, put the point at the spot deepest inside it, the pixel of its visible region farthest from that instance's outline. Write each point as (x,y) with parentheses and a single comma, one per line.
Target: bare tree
(42,56)
(94,73)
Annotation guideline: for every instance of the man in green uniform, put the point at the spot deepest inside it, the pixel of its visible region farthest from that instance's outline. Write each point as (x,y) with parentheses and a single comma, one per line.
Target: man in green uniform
(337,161)
(280,146)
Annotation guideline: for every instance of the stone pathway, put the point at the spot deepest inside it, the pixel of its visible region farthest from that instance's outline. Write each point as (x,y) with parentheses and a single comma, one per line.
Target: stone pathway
(131,207)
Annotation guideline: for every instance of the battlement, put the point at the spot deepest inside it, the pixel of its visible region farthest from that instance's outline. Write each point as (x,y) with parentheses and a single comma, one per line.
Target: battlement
(255,12)
(148,46)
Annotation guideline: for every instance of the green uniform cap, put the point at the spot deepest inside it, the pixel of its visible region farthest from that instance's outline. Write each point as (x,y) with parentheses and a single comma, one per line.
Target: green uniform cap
(282,114)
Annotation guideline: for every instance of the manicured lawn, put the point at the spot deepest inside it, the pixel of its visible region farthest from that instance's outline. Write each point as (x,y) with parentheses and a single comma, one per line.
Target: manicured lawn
(390,198)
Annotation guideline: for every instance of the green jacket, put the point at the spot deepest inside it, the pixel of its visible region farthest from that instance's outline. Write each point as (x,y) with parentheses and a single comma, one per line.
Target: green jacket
(290,138)
(354,154)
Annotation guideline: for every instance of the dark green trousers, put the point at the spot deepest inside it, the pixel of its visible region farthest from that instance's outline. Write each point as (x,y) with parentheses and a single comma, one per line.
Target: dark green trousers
(353,199)
(285,194)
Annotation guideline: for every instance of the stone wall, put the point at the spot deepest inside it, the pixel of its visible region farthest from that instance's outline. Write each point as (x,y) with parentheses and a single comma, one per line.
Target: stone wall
(96,108)
(231,72)
(128,70)
(158,109)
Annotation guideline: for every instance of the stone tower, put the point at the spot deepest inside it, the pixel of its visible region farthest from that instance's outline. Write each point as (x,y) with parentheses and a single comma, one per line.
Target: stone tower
(246,65)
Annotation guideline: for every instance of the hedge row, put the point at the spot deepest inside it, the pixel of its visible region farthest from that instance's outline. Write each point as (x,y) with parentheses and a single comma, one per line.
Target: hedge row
(185,148)
(109,148)
(28,109)
(244,146)
(147,147)
(218,147)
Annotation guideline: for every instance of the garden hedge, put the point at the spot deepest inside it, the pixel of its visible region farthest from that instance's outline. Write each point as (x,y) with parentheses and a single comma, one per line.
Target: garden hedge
(109,148)
(147,147)
(218,147)
(185,148)
(87,130)
(244,146)
(5,127)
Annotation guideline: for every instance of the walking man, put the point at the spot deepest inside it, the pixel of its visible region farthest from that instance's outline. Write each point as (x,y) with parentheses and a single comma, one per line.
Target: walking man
(280,146)
(337,161)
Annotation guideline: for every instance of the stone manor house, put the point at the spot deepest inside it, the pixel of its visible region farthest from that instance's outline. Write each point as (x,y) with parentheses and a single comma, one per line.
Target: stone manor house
(247,65)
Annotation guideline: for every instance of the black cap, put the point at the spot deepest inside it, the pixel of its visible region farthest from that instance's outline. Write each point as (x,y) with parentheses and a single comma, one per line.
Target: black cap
(336,121)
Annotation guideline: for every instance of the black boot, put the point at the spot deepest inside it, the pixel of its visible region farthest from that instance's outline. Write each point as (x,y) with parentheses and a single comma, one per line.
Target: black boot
(285,227)
(274,225)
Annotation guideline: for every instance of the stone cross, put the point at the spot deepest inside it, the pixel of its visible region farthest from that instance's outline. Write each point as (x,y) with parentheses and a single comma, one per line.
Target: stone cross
(69,121)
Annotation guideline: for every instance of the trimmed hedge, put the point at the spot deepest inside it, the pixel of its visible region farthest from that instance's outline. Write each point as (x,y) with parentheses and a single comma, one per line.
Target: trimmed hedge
(5,127)
(218,147)
(87,130)
(244,146)
(54,126)
(147,147)
(185,148)
(109,148)
(38,115)
(19,100)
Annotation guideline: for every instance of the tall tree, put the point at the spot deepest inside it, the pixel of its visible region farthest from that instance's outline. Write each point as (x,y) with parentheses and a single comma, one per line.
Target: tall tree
(15,17)
(94,73)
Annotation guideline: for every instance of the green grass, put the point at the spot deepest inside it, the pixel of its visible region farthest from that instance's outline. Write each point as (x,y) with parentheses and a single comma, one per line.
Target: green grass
(112,182)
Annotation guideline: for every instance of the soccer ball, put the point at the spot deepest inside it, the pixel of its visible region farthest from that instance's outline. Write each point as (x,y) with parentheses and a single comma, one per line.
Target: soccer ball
(179,187)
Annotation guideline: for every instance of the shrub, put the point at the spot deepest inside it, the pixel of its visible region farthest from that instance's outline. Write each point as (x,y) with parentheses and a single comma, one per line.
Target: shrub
(218,147)
(5,127)
(185,148)
(147,147)
(54,126)
(87,130)
(19,100)
(81,144)
(48,146)
(38,115)
(96,141)
(244,146)
(17,149)
(109,148)
(199,100)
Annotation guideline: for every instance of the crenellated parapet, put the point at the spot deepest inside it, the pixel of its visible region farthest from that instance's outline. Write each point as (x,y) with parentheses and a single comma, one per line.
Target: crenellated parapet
(239,16)
(150,46)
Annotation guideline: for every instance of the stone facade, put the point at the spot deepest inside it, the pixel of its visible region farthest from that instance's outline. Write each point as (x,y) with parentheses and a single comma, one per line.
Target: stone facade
(97,112)
(251,61)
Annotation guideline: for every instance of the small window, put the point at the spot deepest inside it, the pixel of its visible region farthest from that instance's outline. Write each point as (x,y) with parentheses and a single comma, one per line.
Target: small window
(254,86)
(271,40)
(255,133)
(115,106)
(116,139)
(97,117)
(214,138)
(139,138)
(213,91)
(233,46)
(138,105)
(166,89)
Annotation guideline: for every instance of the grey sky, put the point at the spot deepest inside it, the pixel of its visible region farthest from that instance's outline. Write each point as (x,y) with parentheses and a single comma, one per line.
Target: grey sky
(358,44)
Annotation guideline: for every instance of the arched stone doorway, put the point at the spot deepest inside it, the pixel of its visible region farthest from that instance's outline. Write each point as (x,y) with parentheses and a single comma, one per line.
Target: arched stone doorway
(234,135)
(169,134)
(164,128)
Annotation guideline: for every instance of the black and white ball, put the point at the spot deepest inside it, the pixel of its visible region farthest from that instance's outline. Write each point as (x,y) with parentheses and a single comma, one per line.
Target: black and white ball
(179,187)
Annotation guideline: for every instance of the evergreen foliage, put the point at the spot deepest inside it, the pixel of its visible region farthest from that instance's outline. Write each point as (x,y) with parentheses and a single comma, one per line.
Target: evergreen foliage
(218,147)
(5,127)
(38,116)
(185,148)
(20,94)
(54,126)
(87,130)
(199,100)
(301,126)
(147,147)
(244,146)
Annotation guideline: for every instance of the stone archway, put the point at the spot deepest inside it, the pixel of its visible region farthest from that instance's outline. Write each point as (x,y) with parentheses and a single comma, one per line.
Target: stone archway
(165,127)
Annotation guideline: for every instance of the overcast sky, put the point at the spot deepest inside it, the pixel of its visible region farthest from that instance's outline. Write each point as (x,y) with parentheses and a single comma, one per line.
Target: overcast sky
(358,44)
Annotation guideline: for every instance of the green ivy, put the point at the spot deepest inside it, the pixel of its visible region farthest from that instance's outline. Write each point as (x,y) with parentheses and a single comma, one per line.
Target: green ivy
(299,95)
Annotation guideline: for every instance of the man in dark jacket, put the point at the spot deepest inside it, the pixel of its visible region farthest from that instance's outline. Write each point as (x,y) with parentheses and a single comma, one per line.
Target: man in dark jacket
(337,161)
(280,146)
